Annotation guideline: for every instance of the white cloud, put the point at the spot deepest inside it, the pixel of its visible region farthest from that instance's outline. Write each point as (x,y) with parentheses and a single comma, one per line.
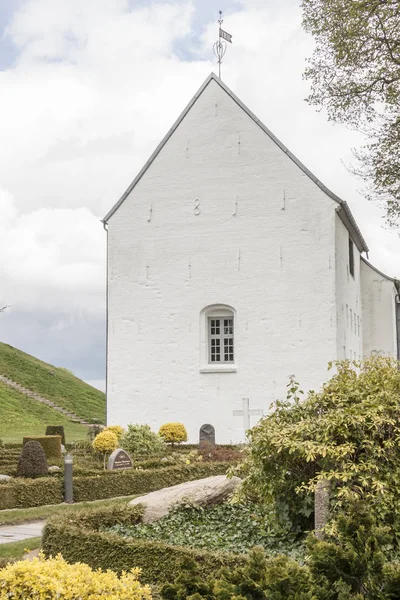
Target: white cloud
(52,258)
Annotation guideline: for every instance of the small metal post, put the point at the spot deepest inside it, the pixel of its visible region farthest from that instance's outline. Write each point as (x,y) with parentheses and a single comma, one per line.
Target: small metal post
(68,483)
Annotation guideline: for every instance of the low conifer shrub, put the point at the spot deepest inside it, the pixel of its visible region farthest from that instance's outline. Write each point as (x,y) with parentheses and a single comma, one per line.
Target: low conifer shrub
(32,462)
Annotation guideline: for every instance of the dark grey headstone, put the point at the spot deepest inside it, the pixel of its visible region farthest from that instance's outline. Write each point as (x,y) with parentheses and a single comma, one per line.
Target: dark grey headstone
(119,459)
(207,434)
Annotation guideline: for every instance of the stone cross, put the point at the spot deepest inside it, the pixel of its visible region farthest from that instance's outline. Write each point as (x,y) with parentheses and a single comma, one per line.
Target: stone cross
(246,413)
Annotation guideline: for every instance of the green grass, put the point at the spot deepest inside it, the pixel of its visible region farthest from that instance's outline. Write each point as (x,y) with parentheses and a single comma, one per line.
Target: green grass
(25,515)
(20,415)
(16,550)
(55,384)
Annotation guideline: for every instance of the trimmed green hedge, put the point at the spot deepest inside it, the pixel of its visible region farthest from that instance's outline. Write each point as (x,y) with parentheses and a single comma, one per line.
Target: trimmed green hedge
(51,444)
(79,539)
(25,493)
(56,430)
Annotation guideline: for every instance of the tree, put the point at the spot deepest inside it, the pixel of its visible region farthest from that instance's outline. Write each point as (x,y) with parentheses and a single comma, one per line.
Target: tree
(355,75)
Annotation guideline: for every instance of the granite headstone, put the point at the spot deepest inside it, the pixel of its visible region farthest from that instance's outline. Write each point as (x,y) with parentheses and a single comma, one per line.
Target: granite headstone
(119,459)
(207,434)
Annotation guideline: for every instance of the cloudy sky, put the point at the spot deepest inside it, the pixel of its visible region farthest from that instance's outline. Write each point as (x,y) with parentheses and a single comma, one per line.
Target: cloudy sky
(87,90)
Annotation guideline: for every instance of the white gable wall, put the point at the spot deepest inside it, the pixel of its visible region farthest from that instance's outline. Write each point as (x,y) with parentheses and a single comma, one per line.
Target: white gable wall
(348,298)
(263,243)
(379,312)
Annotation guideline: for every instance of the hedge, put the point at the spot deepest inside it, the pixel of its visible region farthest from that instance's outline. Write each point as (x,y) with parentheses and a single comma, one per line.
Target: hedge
(26,493)
(51,444)
(79,539)
(56,430)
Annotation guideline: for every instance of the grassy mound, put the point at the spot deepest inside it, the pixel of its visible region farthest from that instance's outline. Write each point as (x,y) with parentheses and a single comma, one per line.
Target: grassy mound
(21,416)
(57,385)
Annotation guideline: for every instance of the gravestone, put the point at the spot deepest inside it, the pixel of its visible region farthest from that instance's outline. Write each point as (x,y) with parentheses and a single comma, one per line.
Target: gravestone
(322,494)
(207,435)
(119,459)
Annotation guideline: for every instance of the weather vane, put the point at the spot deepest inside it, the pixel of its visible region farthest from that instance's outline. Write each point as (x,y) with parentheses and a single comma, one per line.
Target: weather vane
(219,47)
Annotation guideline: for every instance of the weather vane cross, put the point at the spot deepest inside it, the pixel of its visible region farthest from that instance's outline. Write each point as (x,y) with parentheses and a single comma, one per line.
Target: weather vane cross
(219,47)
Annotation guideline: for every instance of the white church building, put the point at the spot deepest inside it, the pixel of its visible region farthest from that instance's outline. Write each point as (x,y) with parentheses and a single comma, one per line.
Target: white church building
(231,268)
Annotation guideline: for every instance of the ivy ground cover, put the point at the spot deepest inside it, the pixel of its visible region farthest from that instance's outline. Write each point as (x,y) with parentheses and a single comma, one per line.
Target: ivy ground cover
(227,527)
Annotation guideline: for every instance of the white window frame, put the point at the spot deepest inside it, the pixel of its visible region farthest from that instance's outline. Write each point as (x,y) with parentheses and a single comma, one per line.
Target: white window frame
(219,311)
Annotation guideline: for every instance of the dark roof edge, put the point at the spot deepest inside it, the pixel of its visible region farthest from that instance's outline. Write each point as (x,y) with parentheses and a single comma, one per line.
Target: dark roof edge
(350,221)
(395,281)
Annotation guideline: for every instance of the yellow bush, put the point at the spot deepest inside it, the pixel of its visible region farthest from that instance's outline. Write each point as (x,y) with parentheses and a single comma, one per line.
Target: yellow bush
(117,429)
(173,433)
(106,441)
(55,578)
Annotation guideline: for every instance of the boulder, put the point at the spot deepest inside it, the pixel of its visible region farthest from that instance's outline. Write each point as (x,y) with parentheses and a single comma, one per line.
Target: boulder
(203,492)
(5,477)
(53,469)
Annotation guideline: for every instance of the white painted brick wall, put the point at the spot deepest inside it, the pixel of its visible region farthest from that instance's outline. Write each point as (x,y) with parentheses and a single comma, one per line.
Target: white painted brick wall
(378,297)
(348,298)
(165,269)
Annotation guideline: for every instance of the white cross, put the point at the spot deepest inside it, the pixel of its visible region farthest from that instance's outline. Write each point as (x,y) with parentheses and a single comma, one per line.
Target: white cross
(246,412)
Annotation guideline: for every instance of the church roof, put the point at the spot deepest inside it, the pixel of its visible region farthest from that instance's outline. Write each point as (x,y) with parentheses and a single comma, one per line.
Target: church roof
(343,210)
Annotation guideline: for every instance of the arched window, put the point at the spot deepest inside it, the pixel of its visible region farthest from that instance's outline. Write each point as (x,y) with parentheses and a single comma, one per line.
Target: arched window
(217,330)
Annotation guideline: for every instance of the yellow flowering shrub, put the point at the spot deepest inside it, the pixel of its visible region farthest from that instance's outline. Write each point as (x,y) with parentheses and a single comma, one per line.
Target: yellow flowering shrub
(117,429)
(173,433)
(48,579)
(104,442)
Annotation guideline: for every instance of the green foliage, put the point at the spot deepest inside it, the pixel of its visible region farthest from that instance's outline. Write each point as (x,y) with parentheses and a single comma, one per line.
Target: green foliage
(348,433)
(56,430)
(55,384)
(173,433)
(277,578)
(21,415)
(20,493)
(79,538)
(140,440)
(226,527)
(353,561)
(351,565)
(355,75)
(32,462)
(51,444)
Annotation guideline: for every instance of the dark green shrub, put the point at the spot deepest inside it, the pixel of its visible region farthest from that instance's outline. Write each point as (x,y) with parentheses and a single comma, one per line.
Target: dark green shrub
(51,445)
(353,561)
(32,462)
(279,578)
(56,430)
(140,440)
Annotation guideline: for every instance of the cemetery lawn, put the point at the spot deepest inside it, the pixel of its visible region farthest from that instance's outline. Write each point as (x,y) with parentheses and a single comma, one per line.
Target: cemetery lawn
(21,415)
(56,384)
(16,550)
(25,515)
